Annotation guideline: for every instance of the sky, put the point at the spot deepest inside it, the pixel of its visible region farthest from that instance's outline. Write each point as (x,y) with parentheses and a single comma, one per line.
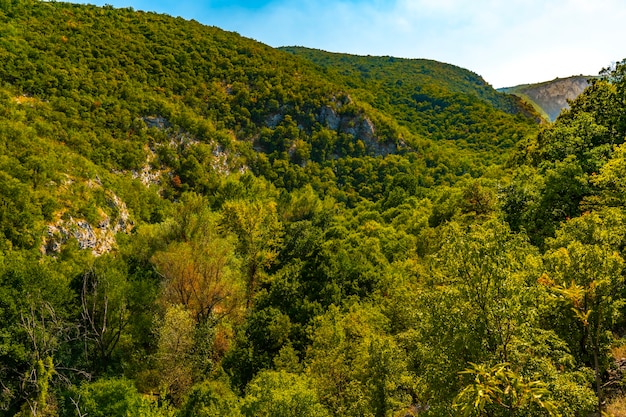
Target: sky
(507,42)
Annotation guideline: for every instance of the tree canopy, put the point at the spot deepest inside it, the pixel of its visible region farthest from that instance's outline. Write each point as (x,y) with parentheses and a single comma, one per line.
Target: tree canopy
(193,223)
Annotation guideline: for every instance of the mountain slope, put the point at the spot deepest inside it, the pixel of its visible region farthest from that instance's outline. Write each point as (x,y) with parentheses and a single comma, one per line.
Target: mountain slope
(551,97)
(248,232)
(121,96)
(439,101)
(178,104)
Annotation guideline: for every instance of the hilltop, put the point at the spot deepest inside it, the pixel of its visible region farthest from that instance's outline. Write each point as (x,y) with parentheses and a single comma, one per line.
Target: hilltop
(436,100)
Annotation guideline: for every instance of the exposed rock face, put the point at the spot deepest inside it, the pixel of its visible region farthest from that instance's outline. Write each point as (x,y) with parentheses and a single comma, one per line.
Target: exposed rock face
(181,141)
(330,117)
(148,174)
(99,239)
(353,123)
(273,120)
(157,122)
(359,126)
(220,160)
(552,96)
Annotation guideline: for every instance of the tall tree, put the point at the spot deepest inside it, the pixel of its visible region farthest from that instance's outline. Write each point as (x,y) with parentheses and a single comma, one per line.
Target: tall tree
(104,295)
(492,269)
(585,271)
(259,233)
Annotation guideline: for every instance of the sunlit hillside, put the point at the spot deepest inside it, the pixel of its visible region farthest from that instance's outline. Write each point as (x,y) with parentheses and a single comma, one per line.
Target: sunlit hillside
(195,224)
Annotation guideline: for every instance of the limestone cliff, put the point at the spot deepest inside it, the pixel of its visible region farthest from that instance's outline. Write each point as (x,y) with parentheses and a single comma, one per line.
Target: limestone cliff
(551,97)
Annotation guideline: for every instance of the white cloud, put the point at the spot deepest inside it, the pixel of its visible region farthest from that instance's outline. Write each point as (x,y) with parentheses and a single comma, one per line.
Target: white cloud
(514,41)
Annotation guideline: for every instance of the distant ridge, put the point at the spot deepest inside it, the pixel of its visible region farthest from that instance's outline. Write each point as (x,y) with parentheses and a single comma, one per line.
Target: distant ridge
(437,101)
(551,97)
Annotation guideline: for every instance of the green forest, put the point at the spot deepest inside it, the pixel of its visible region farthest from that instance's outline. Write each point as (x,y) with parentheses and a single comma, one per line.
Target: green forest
(193,223)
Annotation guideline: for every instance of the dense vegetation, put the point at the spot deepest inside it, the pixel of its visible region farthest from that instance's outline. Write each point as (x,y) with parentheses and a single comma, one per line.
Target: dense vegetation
(195,224)
(435,100)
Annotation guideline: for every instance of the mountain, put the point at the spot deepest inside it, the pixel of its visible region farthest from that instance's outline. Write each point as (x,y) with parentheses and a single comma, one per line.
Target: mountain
(551,97)
(194,223)
(121,95)
(436,100)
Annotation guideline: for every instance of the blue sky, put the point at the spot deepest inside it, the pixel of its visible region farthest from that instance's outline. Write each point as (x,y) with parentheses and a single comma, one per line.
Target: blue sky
(507,42)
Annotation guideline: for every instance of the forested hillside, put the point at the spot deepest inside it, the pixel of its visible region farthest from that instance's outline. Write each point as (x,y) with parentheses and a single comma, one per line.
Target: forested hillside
(196,224)
(434,100)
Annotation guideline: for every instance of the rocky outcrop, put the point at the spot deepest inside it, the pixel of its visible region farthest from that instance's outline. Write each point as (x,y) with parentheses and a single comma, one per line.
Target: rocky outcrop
(148,175)
(181,141)
(338,117)
(99,239)
(358,126)
(273,120)
(157,122)
(552,96)
(329,116)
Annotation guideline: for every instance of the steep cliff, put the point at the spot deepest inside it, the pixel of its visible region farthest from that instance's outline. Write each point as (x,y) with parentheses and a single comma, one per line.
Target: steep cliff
(551,97)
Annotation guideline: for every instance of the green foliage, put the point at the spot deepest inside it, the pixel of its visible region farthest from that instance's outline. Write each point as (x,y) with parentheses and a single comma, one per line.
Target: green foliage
(432,99)
(115,397)
(498,387)
(37,307)
(259,234)
(106,310)
(569,155)
(587,275)
(281,394)
(493,269)
(182,208)
(174,351)
(211,399)
(357,368)
(542,356)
